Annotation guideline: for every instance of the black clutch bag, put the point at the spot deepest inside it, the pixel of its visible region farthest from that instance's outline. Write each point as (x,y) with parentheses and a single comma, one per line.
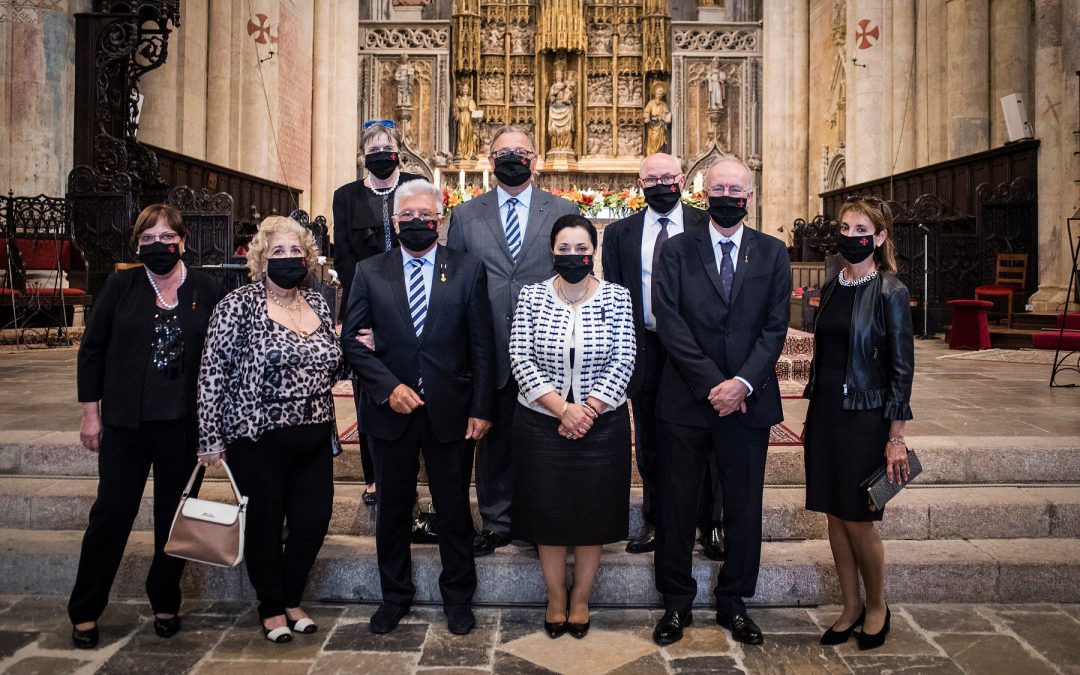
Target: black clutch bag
(878,488)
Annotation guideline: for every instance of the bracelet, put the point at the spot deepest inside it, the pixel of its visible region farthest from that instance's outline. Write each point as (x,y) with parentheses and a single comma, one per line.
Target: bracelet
(590,407)
(562,412)
(896,440)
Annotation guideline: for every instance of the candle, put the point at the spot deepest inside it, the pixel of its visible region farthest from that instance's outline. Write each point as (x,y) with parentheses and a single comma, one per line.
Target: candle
(437,180)
(699,182)
(486,187)
(461,180)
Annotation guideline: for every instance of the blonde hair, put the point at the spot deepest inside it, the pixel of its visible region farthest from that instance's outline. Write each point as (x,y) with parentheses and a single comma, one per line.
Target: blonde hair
(880,216)
(257,251)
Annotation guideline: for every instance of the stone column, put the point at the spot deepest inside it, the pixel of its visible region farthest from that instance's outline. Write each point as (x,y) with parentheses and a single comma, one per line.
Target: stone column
(1010,51)
(1057,57)
(930,83)
(159,120)
(255,138)
(220,86)
(193,40)
(904,99)
(968,76)
(785,125)
(869,91)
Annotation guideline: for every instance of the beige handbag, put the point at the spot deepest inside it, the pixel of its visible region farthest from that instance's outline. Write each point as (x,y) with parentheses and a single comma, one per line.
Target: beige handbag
(209,532)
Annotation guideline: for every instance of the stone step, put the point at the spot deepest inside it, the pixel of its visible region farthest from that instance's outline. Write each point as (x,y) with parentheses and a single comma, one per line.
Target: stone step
(946,459)
(792,573)
(918,513)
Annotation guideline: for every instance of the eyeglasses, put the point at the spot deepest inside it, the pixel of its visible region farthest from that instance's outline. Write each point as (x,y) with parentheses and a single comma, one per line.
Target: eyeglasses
(662,180)
(422,215)
(732,190)
(164,238)
(389,124)
(527,154)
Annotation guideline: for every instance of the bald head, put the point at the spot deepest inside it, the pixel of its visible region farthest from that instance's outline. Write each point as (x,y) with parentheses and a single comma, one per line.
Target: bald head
(658,165)
(730,173)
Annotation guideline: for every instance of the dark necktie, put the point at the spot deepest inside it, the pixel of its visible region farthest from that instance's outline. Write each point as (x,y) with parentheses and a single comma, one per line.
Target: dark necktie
(513,228)
(661,237)
(727,269)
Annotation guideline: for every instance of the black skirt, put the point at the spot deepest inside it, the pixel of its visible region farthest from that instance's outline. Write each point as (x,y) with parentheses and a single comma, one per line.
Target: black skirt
(570,492)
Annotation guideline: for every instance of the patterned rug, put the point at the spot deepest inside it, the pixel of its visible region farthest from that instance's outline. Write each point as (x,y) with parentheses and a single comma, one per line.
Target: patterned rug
(1044,357)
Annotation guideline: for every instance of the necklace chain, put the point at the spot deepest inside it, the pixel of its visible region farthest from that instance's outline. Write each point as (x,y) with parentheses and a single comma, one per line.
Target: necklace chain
(562,294)
(857,282)
(290,310)
(157,291)
(382,192)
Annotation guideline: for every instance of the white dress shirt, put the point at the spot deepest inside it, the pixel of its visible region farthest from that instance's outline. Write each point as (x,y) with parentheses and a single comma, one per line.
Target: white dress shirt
(648,243)
(524,200)
(718,254)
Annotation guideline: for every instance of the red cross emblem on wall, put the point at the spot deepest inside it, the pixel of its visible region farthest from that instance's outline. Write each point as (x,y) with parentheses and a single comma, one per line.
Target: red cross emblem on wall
(867,34)
(261,30)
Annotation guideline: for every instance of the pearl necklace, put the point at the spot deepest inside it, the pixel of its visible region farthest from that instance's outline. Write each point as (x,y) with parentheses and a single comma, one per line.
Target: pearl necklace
(384,191)
(289,310)
(157,291)
(857,282)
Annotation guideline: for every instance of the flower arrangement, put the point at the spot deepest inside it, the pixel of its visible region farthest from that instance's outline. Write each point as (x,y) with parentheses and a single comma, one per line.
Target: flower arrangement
(452,197)
(590,202)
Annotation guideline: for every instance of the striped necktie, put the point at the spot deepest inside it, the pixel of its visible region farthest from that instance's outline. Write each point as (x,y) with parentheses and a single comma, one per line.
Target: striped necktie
(513,228)
(727,269)
(418,304)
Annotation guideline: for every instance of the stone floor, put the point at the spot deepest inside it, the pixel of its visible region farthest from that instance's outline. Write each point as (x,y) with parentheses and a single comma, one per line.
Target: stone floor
(224,638)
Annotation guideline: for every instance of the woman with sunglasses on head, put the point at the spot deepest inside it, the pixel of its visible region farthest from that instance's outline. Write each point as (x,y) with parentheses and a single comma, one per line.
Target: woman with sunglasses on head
(363,228)
(137,368)
(860,393)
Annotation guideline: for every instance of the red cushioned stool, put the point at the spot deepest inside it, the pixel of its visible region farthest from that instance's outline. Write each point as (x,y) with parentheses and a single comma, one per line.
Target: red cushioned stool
(970,329)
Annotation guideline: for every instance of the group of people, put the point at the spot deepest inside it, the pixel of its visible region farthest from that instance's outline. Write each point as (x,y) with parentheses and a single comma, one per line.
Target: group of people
(501,345)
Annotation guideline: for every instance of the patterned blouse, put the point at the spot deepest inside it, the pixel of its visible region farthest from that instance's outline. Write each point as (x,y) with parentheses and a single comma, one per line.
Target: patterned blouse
(257,375)
(600,331)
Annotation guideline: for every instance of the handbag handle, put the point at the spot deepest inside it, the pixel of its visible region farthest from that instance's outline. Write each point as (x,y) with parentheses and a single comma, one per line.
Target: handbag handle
(241,500)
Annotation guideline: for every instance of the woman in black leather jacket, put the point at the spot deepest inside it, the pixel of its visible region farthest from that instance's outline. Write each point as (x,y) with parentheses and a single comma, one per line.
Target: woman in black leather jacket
(859,391)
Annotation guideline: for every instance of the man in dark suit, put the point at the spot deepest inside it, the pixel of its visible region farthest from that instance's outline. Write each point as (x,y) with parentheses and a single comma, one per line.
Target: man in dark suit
(631,252)
(509,229)
(722,313)
(427,388)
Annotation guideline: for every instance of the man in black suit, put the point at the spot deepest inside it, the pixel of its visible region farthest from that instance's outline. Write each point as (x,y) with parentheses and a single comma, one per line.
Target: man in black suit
(631,252)
(722,313)
(428,387)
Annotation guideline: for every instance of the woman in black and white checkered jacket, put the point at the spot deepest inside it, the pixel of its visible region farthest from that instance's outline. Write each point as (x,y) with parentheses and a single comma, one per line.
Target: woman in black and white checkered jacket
(572,351)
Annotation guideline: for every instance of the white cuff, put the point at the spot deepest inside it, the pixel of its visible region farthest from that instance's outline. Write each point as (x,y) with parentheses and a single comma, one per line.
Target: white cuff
(750,390)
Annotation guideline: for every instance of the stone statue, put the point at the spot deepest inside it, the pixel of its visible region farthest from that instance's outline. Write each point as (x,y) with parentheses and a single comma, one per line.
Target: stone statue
(520,39)
(464,107)
(492,39)
(560,101)
(717,82)
(403,80)
(657,116)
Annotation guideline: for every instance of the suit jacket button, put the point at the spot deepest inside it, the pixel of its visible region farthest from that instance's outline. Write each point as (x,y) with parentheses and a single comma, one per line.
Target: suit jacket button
(509,318)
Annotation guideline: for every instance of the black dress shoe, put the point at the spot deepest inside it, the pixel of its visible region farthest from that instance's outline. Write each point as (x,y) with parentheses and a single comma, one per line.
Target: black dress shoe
(387,618)
(460,619)
(670,627)
(370,498)
(578,630)
(487,541)
(712,544)
(867,641)
(167,628)
(839,637)
(742,628)
(644,542)
(84,639)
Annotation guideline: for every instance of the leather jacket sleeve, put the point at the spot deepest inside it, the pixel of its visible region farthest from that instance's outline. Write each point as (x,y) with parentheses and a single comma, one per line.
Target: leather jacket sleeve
(901,345)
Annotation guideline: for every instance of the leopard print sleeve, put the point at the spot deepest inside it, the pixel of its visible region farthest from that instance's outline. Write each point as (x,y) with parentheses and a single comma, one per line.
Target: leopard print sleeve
(225,346)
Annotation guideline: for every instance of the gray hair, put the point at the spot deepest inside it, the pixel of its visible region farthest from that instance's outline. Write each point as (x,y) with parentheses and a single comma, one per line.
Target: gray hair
(370,133)
(511,129)
(418,187)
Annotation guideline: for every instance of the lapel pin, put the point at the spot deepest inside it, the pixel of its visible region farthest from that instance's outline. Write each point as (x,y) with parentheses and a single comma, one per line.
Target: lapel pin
(746,259)
(443,277)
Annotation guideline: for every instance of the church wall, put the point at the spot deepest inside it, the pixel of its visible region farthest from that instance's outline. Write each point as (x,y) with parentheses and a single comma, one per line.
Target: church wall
(37,84)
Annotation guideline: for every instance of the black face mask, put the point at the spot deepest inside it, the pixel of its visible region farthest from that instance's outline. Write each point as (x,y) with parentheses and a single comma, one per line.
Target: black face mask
(287,272)
(159,258)
(573,268)
(513,169)
(662,198)
(855,249)
(417,234)
(381,164)
(726,211)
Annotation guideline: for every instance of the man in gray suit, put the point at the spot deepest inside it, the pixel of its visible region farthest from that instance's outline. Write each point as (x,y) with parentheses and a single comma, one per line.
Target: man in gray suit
(508,228)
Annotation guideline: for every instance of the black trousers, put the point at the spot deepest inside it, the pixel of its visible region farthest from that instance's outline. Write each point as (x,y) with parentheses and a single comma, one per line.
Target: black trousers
(367,450)
(711,511)
(739,454)
(643,403)
(288,478)
(123,465)
(449,468)
(494,470)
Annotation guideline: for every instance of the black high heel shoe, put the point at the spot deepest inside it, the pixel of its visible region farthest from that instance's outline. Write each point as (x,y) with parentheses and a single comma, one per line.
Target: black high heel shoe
(554,630)
(167,628)
(839,637)
(578,630)
(84,639)
(874,641)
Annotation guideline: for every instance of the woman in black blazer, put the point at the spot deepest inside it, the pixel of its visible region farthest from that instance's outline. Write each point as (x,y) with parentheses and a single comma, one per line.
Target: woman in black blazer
(137,368)
(363,228)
